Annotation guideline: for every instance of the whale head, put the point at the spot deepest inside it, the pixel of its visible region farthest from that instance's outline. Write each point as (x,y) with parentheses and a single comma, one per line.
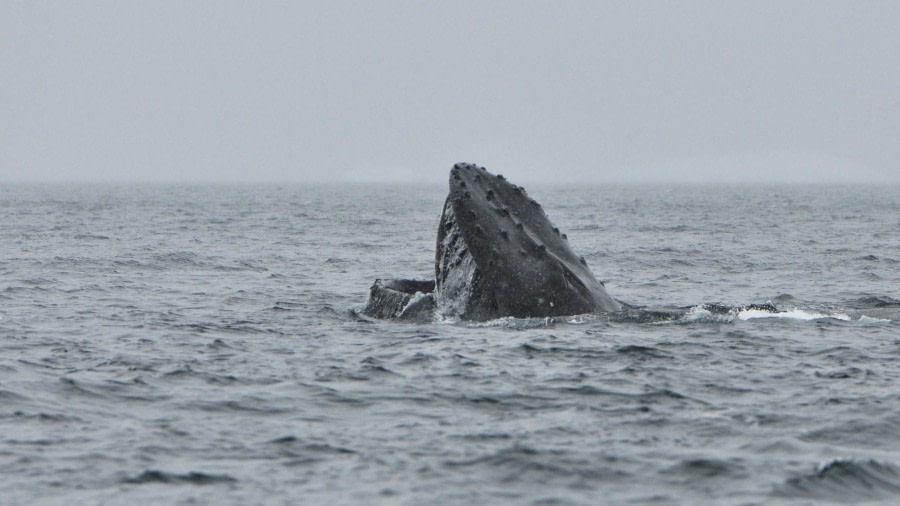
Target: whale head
(499,255)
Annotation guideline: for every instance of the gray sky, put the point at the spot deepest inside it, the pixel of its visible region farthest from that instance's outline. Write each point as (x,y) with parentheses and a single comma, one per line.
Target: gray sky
(301,91)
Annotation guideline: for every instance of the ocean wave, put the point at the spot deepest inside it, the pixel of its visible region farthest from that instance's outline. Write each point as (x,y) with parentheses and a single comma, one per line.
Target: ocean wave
(524,463)
(192,478)
(846,480)
(705,468)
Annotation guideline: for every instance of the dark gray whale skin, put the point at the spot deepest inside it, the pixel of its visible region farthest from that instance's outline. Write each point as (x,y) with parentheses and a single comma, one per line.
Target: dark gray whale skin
(497,255)
(403,299)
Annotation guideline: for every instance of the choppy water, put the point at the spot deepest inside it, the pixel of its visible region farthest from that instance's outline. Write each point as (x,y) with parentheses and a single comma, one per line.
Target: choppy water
(195,344)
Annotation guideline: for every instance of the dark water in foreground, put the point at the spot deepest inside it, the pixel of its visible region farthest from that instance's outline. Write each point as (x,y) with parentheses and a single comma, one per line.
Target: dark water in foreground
(195,344)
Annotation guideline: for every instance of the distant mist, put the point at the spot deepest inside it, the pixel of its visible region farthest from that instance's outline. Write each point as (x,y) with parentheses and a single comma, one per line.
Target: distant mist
(693,91)
(771,167)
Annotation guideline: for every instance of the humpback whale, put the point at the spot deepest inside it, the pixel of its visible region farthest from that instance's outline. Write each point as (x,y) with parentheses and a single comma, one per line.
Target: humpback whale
(497,254)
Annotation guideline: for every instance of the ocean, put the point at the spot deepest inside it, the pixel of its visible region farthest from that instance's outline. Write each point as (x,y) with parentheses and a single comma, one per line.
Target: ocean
(199,344)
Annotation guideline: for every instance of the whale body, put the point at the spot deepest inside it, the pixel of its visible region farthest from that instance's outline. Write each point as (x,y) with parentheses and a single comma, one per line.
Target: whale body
(497,254)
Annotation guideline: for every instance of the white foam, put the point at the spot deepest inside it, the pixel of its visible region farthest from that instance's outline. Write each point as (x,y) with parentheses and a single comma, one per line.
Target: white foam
(515,323)
(416,297)
(582,318)
(440,319)
(701,314)
(792,314)
(869,319)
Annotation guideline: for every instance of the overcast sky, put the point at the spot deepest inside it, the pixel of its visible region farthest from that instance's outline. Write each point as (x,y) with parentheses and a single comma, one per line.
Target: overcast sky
(340,90)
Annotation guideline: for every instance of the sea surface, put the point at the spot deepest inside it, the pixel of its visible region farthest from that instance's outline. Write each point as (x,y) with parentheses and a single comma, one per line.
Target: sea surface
(198,344)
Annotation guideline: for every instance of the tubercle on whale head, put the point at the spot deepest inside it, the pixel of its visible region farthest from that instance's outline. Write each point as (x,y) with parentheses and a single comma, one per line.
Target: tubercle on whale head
(473,187)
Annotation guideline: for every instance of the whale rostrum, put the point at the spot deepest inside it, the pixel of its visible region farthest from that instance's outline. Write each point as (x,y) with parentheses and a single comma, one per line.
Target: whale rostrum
(497,255)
